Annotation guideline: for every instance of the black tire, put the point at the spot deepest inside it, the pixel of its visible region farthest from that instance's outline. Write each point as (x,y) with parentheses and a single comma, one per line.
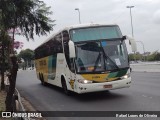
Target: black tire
(64,86)
(42,79)
(40,76)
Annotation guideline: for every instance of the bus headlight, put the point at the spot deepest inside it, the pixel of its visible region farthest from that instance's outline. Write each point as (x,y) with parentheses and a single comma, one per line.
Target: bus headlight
(85,81)
(125,76)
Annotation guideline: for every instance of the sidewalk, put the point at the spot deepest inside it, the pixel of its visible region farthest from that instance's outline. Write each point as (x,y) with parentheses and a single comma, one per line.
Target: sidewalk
(145,67)
(26,104)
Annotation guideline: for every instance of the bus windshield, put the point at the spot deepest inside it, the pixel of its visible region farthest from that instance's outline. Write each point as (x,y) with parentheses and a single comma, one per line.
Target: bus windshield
(95,33)
(101,56)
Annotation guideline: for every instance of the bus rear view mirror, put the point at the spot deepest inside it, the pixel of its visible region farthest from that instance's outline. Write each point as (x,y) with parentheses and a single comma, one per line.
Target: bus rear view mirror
(132,43)
(71,49)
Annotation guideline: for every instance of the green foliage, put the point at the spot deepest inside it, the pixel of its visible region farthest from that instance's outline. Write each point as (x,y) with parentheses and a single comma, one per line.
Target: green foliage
(27,54)
(151,57)
(136,56)
(155,56)
(5,42)
(27,15)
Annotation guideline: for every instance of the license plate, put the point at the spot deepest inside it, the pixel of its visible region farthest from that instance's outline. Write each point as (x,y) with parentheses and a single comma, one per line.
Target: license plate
(107,86)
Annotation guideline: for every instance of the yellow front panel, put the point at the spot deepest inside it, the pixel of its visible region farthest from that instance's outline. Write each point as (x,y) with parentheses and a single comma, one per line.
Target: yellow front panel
(98,77)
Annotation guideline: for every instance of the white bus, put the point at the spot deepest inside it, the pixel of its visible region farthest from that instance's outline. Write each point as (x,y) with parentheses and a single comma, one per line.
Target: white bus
(85,58)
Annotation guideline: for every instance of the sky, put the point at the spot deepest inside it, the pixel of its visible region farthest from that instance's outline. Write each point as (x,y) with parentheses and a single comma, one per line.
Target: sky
(145,18)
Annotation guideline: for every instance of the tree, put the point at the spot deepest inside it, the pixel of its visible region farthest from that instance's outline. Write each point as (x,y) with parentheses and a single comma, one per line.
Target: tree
(30,16)
(133,57)
(4,61)
(27,55)
(155,56)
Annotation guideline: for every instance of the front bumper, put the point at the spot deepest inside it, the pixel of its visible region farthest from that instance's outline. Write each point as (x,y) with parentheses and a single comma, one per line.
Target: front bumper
(95,87)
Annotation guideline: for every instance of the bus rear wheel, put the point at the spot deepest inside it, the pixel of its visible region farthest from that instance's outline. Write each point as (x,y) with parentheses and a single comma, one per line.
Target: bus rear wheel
(42,79)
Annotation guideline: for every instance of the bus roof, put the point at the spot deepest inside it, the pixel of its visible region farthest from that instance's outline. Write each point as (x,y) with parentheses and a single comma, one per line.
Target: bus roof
(74,27)
(87,25)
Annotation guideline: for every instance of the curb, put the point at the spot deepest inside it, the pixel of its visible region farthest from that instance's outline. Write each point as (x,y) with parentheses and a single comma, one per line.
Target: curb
(19,104)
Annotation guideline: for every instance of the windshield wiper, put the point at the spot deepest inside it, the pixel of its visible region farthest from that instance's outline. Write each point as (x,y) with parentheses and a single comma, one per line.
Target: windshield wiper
(96,63)
(107,57)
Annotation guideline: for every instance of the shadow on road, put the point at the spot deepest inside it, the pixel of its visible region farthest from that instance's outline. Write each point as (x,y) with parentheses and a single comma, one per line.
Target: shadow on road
(95,96)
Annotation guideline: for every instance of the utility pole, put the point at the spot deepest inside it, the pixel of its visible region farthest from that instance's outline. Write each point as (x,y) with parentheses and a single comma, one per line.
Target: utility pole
(130,8)
(79,15)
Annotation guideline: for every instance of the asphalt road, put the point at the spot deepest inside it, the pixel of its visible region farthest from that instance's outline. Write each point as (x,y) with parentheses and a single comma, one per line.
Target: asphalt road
(143,95)
(146,67)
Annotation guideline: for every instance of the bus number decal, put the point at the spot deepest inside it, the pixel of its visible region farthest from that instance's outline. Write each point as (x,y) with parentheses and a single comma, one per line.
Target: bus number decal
(42,62)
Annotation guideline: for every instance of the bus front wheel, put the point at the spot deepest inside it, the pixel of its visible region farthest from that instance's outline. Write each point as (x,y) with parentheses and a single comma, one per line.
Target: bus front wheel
(64,86)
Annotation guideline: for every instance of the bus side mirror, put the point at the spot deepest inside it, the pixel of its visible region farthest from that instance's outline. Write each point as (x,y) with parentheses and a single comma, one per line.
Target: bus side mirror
(132,43)
(71,49)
